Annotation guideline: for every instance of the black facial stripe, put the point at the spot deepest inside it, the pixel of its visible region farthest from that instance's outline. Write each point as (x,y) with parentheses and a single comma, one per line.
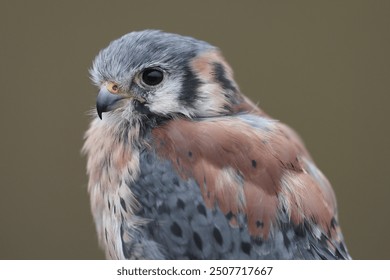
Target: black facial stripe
(141,108)
(191,84)
(220,77)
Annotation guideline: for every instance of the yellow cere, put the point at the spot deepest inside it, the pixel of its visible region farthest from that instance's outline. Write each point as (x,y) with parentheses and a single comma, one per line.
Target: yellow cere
(112,87)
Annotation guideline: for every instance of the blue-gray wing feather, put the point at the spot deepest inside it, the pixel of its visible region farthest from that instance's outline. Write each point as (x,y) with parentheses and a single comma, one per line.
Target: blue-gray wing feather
(178,225)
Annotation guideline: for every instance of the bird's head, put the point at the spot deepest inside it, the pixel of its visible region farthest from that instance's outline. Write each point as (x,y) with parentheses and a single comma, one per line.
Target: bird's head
(156,74)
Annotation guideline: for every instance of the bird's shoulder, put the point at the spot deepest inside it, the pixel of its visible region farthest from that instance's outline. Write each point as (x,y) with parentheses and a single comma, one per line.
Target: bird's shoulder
(240,186)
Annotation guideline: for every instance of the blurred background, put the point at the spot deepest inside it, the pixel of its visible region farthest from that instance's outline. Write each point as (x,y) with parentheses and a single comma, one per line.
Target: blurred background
(323,67)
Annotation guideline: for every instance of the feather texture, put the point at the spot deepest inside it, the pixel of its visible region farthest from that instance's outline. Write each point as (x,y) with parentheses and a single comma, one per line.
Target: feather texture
(190,168)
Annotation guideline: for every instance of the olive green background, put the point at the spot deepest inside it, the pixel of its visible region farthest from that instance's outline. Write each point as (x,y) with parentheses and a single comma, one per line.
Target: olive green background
(322,67)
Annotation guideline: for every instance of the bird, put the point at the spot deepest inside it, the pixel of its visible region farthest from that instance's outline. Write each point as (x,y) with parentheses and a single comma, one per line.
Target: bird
(182,165)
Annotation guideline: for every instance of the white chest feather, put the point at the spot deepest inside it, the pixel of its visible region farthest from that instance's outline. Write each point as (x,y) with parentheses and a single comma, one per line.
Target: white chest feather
(111,164)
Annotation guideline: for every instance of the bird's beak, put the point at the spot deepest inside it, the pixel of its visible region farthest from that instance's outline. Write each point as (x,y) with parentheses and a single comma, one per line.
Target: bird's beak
(106,101)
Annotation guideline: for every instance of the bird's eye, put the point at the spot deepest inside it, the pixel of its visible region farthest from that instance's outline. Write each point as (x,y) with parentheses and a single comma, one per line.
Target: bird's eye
(152,77)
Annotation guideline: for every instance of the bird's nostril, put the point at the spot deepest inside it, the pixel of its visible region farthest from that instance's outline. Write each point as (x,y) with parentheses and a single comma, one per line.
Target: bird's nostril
(112,87)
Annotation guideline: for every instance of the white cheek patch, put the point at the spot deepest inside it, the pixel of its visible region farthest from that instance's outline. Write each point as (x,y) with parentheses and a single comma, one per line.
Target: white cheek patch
(165,100)
(211,100)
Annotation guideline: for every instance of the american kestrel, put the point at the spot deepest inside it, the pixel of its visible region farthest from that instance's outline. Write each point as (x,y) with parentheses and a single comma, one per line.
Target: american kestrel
(182,165)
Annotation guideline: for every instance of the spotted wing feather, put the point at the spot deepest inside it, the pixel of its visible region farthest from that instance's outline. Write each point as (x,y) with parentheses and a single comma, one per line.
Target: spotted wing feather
(184,220)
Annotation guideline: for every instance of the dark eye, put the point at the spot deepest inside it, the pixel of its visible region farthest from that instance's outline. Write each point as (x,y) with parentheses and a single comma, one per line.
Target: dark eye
(152,77)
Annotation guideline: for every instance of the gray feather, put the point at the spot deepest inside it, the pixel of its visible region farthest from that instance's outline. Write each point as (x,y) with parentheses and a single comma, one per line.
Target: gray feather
(184,228)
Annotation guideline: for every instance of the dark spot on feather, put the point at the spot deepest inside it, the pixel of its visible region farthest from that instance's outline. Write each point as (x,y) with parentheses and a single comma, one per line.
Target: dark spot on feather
(123,204)
(189,153)
(333,223)
(105,233)
(108,204)
(127,181)
(180,204)
(254,163)
(300,230)
(259,224)
(229,215)
(176,230)
(217,236)
(246,247)
(163,209)
(286,241)
(198,241)
(202,209)
(228,108)
(175,182)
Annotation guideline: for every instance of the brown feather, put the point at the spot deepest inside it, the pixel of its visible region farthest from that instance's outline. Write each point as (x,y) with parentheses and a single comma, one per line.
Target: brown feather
(246,170)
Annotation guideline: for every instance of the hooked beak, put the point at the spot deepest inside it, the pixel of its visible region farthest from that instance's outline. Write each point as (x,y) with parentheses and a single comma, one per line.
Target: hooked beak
(106,101)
